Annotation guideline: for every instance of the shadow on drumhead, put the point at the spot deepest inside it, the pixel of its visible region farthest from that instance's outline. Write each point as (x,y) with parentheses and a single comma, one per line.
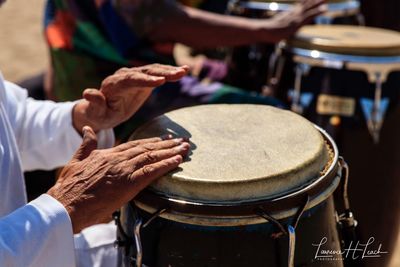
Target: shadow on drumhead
(177,131)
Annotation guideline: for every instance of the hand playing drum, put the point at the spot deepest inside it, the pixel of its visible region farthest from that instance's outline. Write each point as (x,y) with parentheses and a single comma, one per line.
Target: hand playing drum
(113,175)
(286,24)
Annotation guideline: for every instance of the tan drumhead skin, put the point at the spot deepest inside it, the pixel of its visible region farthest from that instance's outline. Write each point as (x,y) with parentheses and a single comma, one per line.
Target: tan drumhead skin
(352,40)
(239,152)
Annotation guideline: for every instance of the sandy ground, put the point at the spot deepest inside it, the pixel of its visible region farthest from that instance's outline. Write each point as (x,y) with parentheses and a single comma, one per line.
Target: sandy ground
(22,48)
(23,51)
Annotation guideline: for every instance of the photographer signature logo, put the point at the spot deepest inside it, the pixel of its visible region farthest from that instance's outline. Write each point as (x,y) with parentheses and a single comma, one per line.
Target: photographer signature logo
(355,250)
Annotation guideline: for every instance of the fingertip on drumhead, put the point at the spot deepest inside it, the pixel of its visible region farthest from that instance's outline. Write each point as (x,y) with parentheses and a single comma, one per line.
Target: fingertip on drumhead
(166,137)
(178,159)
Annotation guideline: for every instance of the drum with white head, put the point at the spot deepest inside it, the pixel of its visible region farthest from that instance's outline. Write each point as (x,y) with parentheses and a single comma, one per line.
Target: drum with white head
(255,177)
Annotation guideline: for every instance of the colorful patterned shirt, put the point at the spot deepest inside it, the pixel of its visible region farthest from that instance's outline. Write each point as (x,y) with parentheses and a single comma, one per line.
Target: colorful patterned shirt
(91,39)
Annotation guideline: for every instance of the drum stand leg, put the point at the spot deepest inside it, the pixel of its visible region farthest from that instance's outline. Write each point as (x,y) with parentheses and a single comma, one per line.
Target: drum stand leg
(289,230)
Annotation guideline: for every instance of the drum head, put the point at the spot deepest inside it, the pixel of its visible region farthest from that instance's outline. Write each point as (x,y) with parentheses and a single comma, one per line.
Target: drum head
(349,40)
(239,152)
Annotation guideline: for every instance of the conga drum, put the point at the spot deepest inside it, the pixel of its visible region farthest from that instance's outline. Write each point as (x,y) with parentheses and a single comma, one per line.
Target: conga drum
(255,190)
(252,67)
(347,80)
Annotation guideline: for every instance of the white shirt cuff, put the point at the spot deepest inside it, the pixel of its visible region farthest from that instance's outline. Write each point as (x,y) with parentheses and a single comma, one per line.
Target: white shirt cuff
(59,227)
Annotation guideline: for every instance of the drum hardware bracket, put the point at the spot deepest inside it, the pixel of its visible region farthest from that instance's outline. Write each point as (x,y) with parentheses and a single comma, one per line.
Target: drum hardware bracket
(374,114)
(346,221)
(375,124)
(136,231)
(301,70)
(262,213)
(275,68)
(289,230)
(125,242)
(347,218)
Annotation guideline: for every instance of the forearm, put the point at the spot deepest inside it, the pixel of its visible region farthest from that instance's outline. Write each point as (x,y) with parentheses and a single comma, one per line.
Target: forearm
(200,29)
(167,21)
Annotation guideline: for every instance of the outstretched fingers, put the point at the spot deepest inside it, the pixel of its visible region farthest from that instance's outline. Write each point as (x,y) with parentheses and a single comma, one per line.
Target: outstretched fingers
(149,147)
(131,79)
(135,143)
(154,156)
(148,173)
(312,14)
(312,4)
(170,73)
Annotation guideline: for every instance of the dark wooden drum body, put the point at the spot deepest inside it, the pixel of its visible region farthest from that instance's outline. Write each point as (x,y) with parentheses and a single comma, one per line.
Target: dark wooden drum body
(350,86)
(256,190)
(251,67)
(169,243)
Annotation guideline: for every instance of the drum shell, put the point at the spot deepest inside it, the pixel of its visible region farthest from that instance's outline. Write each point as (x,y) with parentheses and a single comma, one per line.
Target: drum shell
(375,168)
(336,82)
(168,243)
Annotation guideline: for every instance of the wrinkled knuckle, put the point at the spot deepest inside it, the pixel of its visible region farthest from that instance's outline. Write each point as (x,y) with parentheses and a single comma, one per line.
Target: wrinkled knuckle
(150,156)
(103,156)
(134,143)
(115,169)
(109,81)
(148,147)
(147,170)
(96,153)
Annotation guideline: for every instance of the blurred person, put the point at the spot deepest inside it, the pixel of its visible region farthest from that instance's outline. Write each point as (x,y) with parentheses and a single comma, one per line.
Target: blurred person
(97,180)
(88,40)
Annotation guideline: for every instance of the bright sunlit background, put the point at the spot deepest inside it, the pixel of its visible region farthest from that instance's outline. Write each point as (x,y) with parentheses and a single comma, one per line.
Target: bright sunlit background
(23,51)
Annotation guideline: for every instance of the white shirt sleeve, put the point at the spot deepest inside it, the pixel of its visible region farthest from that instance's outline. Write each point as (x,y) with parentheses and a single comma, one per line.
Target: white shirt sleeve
(29,234)
(44,132)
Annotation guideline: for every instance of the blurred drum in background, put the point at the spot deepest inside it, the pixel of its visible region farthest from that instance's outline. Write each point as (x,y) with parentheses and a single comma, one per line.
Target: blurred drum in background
(251,67)
(256,190)
(346,79)
(339,11)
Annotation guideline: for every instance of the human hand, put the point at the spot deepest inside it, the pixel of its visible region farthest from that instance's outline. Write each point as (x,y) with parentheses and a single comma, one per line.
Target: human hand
(95,183)
(286,24)
(121,95)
